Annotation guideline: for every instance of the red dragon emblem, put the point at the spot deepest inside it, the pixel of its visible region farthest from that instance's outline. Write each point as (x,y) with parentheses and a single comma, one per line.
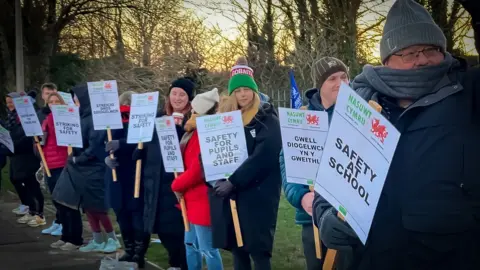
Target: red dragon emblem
(168,123)
(70,110)
(380,131)
(312,119)
(150,98)
(227,119)
(25,100)
(108,86)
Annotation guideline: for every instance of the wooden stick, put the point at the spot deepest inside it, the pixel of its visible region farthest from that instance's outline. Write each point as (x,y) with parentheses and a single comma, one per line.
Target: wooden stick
(236,223)
(42,156)
(183,207)
(316,236)
(329,262)
(114,172)
(138,174)
(69,150)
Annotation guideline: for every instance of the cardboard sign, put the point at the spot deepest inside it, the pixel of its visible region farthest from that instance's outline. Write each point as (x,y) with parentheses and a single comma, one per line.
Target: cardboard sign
(6,139)
(222,144)
(67,125)
(142,117)
(67,97)
(169,144)
(105,105)
(28,117)
(303,138)
(358,152)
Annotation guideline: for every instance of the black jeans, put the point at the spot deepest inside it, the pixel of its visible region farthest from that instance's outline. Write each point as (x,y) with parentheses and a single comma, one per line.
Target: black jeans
(241,260)
(72,229)
(30,190)
(174,244)
(51,182)
(309,251)
(130,221)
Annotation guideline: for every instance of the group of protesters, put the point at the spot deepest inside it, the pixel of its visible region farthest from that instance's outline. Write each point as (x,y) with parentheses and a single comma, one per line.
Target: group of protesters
(428,216)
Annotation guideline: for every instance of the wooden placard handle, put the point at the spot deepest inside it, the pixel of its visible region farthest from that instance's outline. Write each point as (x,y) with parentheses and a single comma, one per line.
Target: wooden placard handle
(114,171)
(138,174)
(183,207)
(42,156)
(316,236)
(236,223)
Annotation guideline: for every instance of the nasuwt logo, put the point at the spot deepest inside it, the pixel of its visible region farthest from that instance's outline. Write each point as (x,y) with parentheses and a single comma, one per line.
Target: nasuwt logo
(312,119)
(227,119)
(108,86)
(380,131)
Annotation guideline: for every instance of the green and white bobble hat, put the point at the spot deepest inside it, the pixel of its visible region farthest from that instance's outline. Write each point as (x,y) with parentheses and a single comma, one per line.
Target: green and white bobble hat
(241,75)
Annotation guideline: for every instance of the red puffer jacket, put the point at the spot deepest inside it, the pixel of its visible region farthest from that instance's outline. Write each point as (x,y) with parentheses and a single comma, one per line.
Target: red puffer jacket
(191,184)
(56,156)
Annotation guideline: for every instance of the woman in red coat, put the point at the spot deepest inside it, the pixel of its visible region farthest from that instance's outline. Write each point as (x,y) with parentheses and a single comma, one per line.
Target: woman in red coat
(191,185)
(55,156)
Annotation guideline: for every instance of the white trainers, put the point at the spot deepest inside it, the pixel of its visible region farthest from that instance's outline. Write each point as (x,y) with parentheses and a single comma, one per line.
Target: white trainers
(37,221)
(21,210)
(57,244)
(93,246)
(25,219)
(69,247)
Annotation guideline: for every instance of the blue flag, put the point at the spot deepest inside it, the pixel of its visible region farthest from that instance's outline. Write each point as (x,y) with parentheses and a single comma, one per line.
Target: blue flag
(295,98)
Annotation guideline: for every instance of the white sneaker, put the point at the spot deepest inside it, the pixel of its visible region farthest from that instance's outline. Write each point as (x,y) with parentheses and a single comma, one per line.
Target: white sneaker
(174,268)
(57,244)
(37,221)
(25,219)
(21,210)
(69,247)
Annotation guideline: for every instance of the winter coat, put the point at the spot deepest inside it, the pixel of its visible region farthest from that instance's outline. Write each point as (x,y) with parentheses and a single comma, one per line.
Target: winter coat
(23,163)
(428,215)
(55,156)
(295,192)
(191,184)
(257,189)
(83,185)
(119,194)
(160,211)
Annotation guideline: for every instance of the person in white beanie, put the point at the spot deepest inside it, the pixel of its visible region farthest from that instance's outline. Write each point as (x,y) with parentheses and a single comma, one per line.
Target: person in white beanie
(191,185)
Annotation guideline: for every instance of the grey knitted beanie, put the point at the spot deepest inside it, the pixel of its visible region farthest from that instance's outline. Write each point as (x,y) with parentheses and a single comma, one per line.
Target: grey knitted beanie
(325,67)
(409,23)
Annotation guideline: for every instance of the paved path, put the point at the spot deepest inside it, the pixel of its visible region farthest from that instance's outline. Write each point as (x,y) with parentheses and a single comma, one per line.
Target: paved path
(24,248)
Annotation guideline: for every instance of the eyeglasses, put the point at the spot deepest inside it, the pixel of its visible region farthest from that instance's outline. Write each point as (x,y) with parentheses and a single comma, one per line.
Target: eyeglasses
(412,56)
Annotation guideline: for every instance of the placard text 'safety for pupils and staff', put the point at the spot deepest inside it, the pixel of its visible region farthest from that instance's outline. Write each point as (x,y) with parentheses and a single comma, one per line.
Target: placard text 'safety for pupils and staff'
(223,148)
(169,147)
(357,166)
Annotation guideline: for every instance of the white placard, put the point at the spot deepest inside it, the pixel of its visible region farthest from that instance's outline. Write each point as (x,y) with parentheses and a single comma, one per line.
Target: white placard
(67,97)
(222,144)
(358,151)
(105,105)
(303,138)
(28,116)
(67,125)
(6,139)
(169,144)
(142,117)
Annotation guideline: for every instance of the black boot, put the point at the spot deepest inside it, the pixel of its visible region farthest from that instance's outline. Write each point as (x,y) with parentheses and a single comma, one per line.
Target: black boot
(142,241)
(129,243)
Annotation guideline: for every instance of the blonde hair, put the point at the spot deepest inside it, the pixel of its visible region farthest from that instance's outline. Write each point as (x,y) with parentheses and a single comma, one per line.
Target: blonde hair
(56,94)
(230,104)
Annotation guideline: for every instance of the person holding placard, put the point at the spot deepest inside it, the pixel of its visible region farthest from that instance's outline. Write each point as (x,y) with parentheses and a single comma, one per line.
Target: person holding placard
(256,184)
(161,216)
(46,90)
(119,194)
(328,74)
(23,167)
(55,156)
(82,185)
(191,185)
(428,214)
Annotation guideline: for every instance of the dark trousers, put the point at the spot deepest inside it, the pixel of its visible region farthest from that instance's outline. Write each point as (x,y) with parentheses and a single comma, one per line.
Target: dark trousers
(30,190)
(51,182)
(130,221)
(174,244)
(309,251)
(241,260)
(72,229)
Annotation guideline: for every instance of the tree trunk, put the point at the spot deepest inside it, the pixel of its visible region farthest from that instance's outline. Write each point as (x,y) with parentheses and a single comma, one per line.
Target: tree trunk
(473,7)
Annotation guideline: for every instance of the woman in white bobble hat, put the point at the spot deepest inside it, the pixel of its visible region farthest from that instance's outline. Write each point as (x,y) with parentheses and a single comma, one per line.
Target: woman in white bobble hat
(191,185)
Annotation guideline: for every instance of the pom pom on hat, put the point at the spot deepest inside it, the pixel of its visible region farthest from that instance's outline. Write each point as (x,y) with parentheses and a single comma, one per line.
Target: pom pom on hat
(203,102)
(241,75)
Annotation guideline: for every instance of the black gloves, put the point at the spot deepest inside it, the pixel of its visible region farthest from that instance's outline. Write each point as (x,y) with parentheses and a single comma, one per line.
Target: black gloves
(112,146)
(138,154)
(82,159)
(335,233)
(111,163)
(223,188)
